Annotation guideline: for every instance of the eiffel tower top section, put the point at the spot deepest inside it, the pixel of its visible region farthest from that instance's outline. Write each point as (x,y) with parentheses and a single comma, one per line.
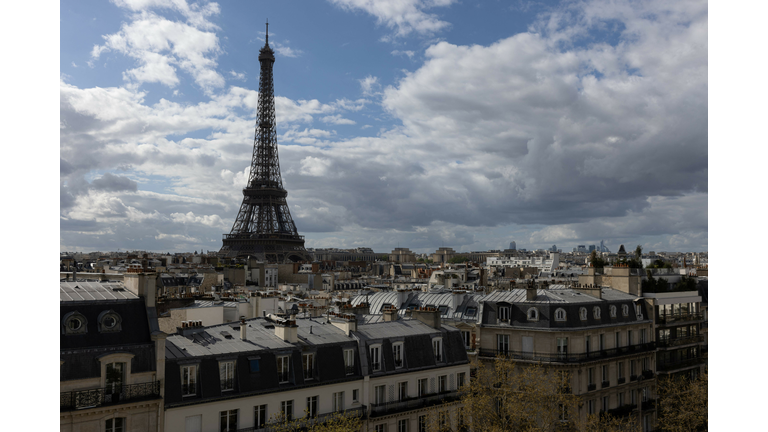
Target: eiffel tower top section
(264,227)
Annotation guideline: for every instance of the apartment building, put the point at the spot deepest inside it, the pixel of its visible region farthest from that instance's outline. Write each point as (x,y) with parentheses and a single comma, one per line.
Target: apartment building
(112,359)
(247,374)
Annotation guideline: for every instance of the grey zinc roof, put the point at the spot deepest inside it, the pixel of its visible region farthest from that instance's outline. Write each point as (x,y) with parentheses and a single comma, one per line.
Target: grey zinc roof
(75,291)
(213,340)
(382,330)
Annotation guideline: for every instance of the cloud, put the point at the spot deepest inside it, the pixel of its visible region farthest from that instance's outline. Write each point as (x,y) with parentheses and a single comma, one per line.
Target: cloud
(237,75)
(369,85)
(160,45)
(401,16)
(410,54)
(337,119)
(285,51)
(113,183)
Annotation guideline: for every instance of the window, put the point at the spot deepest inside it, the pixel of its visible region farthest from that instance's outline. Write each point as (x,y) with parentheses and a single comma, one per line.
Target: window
(109,321)
(349,361)
(283,369)
(402,390)
(260,416)
(189,380)
(617,341)
(639,311)
(423,387)
(560,314)
(642,335)
(422,423)
(612,311)
(444,420)
(587,340)
(625,310)
(605,403)
(380,394)
(591,376)
(115,376)
(355,395)
(437,348)
(466,337)
(442,383)
(605,373)
(596,312)
(74,323)
(253,363)
(583,314)
(380,427)
(375,357)
(308,365)
(629,337)
(620,370)
(646,364)
(590,406)
(227,375)
(502,343)
(533,314)
(621,400)
(312,406)
(504,313)
(397,353)
(402,425)
(562,347)
(115,425)
(633,394)
(338,401)
(601,342)
(286,410)
(460,379)
(632,368)
(228,420)
(470,312)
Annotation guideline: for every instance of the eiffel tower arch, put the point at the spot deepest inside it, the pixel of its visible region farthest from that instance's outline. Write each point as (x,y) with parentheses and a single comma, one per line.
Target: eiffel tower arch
(264,228)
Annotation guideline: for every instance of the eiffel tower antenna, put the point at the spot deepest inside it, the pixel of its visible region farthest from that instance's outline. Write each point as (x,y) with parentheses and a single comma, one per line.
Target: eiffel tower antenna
(263,227)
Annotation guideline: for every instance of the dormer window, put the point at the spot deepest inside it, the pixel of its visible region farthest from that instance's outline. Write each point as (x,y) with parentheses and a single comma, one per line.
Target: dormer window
(625,310)
(504,313)
(74,323)
(397,352)
(596,312)
(560,314)
(612,311)
(376,357)
(533,314)
(583,313)
(109,321)
(437,349)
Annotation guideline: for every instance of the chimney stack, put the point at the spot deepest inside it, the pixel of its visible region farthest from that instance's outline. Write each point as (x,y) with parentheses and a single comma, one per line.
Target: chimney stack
(243,329)
(531,292)
(429,316)
(390,313)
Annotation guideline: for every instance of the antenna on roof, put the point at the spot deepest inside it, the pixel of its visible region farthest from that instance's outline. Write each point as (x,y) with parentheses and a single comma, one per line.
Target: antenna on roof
(267,31)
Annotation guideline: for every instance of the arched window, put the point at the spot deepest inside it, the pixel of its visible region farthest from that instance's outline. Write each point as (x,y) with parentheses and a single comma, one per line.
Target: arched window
(625,310)
(596,312)
(533,314)
(560,314)
(613,311)
(110,321)
(583,313)
(74,323)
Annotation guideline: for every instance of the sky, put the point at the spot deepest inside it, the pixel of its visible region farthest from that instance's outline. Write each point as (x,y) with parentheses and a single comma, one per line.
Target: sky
(402,123)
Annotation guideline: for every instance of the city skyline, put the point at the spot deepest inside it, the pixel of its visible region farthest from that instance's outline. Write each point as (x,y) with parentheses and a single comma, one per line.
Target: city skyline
(415,126)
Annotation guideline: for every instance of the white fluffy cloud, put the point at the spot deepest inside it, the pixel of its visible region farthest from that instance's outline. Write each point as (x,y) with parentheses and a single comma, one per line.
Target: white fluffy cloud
(402,16)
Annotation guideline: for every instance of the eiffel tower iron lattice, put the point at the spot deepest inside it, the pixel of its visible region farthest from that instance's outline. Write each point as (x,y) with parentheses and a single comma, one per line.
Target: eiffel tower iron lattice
(264,227)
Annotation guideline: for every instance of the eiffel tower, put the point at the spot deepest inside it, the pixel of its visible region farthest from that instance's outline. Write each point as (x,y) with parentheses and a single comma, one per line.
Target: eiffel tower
(264,228)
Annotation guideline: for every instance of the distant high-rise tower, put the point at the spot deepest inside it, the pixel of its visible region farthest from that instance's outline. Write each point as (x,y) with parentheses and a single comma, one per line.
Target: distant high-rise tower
(602,246)
(512,245)
(264,228)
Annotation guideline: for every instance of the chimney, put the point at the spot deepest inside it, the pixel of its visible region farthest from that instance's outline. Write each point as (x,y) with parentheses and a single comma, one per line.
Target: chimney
(345,322)
(429,316)
(390,313)
(287,331)
(531,292)
(243,329)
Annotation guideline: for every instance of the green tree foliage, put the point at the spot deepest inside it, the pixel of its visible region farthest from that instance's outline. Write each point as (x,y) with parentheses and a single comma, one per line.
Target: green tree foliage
(639,252)
(659,264)
(337,422)
(683,404)
(596,261)
(458,259)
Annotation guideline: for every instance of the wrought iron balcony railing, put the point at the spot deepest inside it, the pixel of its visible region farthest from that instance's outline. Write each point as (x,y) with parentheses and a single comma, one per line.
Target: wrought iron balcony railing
(674,342)
(648,404)
(415,403)
(591,387)
(550,357)
(306,423)
(676,318)
(622,411)
(678,364)
(350,369)
(605,384)
(115,394)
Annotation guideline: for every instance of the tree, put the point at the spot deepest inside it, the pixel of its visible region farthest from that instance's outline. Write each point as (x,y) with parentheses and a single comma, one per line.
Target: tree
(639,252)
(683,404)
(336,422)
(458,259)
(595,260)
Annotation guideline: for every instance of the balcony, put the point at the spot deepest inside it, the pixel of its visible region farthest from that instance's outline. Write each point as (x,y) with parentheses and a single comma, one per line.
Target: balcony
(412,404)
(678,364)
(550,357)
(622,411)
(605,384)
(647,374)
(306,423)
(83,399)
(621,380)
(591,387)
(675,342)
(648,404)
(350,370)
(680,318)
